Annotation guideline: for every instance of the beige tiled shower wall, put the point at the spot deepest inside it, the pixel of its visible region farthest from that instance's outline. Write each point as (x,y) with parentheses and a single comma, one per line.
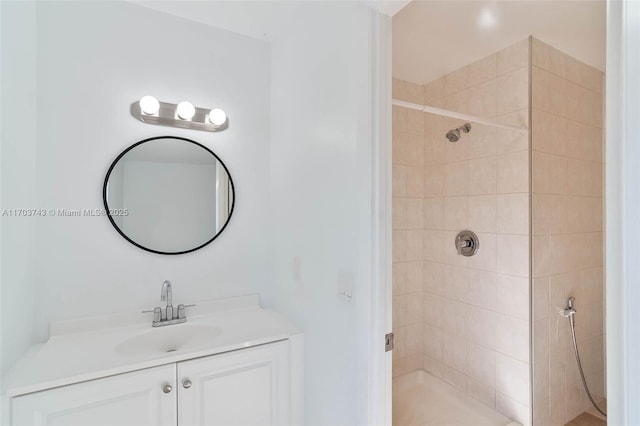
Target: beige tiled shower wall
(408,265)
(567,161)
(465,320)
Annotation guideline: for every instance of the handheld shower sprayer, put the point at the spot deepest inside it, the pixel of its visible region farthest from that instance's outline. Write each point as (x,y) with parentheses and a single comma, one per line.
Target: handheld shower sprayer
(570,312)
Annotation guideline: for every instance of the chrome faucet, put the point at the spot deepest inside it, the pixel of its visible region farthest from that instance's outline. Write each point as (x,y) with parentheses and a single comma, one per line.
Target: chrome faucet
(166,315)
(167,296)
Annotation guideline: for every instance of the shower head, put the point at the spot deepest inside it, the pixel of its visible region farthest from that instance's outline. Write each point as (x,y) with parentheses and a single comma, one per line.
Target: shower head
(454,135)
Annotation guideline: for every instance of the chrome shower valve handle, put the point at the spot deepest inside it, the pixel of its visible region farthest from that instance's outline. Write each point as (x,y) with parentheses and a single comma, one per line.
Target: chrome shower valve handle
(467,243)
(462,244)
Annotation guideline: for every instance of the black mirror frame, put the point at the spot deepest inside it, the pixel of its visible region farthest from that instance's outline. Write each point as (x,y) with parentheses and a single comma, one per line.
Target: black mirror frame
(122,154)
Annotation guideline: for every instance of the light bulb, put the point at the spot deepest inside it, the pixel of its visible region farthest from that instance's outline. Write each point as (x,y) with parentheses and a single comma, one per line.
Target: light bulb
(149,105)
(487,18)
(186,110)
(217,117)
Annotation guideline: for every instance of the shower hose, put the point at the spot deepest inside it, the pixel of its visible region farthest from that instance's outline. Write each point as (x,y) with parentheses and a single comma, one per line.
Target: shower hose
(571,313)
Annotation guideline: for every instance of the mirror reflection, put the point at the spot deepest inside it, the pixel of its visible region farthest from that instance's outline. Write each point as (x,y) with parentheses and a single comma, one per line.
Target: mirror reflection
(168,195)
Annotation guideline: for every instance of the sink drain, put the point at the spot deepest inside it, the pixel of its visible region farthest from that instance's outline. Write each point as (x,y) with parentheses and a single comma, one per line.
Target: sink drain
(171,350)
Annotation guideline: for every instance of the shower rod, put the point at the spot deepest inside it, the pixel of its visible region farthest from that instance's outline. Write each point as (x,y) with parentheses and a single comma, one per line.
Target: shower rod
(453,114)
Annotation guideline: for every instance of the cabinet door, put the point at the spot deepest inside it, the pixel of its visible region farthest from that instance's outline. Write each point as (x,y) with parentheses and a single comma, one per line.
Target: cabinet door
(136,398)
(244,387)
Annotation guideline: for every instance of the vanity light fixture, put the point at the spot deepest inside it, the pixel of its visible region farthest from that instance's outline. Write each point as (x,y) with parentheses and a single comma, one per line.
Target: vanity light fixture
(184,115)
(149,105)
(185,110)
(217,117)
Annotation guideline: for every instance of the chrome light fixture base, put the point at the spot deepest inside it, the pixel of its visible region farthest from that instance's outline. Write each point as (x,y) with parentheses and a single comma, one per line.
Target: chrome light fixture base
(167,116)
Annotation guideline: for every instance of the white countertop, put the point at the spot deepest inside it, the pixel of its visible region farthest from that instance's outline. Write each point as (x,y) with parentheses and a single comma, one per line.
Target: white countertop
(85,349)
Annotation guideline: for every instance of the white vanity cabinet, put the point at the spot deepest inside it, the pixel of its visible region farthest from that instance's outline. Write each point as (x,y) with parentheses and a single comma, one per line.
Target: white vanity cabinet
(242,387)
(136,398)
(247,387)
(231,363)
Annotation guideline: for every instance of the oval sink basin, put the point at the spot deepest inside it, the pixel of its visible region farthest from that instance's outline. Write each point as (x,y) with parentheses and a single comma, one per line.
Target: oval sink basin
(170,338)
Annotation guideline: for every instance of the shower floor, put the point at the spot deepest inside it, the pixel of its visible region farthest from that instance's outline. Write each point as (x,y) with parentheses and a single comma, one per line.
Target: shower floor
(422,399)
(591,417)
(586,419)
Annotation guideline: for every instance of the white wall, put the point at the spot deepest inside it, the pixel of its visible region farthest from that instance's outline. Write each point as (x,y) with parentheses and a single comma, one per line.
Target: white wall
(18,134)
(300,162)
(320,189)
(94,59)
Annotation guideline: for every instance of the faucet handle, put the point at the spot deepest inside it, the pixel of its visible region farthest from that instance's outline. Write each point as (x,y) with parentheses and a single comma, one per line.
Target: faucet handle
(181,309)
(156,313)
(461,244)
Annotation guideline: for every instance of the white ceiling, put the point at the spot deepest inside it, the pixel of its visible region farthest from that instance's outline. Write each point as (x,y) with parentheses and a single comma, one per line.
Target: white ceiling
(432,38)
(254,18)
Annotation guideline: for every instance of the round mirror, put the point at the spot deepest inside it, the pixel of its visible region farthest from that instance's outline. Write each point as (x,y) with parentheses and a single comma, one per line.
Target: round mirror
(168,195)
